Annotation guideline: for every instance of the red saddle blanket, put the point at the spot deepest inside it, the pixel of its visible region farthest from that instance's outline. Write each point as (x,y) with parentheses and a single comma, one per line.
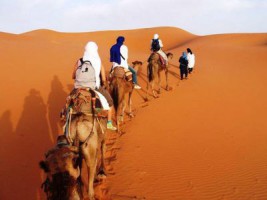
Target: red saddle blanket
(161,59)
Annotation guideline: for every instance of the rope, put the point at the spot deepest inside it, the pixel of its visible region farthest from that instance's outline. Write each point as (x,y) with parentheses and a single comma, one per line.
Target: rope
(90,134)
(101,127)
(65,127)
(68,125)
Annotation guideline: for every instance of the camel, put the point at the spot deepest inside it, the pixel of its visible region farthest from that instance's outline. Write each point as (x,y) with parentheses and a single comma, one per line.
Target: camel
(62,171)
(85,128)
(154,68)
(89,132)
(119,88)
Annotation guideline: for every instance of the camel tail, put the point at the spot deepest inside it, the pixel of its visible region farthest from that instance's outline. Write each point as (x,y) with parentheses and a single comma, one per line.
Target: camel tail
(115,95)
(150,72)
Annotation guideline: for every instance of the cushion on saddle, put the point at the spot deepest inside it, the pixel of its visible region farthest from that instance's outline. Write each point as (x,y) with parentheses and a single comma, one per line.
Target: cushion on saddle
(81,100)
(121,72)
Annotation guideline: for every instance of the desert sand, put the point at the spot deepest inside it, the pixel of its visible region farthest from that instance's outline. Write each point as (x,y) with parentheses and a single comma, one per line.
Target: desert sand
(204,139)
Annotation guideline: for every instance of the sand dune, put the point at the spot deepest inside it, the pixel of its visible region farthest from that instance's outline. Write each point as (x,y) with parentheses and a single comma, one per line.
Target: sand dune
(205,139)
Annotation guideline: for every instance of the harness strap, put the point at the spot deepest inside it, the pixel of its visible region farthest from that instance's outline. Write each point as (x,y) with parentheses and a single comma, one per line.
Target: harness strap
(101,127)
(90,134)
(69,124)
(82,62)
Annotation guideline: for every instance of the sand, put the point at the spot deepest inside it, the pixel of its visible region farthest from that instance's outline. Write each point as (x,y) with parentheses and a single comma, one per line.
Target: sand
(205,139)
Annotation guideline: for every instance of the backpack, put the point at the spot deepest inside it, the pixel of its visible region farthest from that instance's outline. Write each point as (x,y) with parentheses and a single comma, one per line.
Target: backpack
(155,45)
(85,75)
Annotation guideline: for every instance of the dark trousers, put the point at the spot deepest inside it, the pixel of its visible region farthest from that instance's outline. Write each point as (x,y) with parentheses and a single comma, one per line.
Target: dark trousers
(190,70)
(183,71)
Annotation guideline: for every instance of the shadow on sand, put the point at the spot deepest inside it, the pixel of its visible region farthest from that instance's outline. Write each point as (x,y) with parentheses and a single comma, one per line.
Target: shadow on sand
(23,149)
(56,100)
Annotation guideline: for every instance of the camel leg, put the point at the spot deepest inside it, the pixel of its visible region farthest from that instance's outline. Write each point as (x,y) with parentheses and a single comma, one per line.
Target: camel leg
(148,84)
(151,86)
(102,170)
(166,75)
(130,104)
(118,116)
(118,123)
(147,88)
(90,155)
(123,109)
(153,90)
(159,81)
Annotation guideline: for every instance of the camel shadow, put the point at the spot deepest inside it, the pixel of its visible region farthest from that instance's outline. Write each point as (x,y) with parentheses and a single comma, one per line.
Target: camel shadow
(6,124)
(24,149)
(174,74)
(56,100)
(6,152)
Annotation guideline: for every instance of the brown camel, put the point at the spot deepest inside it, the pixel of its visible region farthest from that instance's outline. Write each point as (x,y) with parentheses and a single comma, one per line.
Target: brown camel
(154,68)
(62,171)
(86,129)
(119,88)
(89,132)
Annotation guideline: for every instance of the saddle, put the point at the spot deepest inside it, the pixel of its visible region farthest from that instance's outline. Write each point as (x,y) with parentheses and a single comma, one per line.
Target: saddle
(81,100)
(121,72)
(161,59)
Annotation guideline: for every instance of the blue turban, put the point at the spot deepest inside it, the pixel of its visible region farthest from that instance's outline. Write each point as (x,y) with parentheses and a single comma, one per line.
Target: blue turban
(115,54)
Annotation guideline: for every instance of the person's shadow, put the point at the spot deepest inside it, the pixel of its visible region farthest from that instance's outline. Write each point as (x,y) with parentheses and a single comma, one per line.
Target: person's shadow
(6,124)
(6,152)
(24,151)
(56,101)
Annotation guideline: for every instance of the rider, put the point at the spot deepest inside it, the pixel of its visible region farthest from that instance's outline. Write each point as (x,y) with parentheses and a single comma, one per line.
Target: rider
(119,57)
(91,54)
(191,60)
(183,66)
(156,46)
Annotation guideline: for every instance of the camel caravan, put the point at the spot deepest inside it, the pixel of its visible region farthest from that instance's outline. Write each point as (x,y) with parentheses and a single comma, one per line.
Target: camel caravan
(88,114)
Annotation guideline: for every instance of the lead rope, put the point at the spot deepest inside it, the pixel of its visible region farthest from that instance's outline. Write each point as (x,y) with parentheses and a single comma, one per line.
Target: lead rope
(68,126)
(65,130)
(101,127)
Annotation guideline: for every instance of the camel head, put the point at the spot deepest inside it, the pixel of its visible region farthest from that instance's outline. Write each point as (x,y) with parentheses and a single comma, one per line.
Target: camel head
(137,66)
(169,56)
(61,168)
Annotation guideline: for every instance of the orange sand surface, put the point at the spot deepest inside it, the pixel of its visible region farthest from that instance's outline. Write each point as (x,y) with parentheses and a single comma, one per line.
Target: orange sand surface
(204,139)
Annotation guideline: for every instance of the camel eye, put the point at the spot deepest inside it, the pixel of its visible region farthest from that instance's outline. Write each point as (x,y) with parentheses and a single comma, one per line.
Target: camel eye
(75,161)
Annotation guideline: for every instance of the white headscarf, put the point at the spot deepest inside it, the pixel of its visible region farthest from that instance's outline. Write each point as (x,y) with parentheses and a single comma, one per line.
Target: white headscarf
(156,36)
(91,54)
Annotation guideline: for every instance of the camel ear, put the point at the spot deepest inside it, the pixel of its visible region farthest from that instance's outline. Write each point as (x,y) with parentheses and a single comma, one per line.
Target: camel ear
(75,160)
(43,165)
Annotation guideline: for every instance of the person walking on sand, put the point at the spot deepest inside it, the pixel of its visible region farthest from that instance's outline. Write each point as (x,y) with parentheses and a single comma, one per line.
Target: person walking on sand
(156,46)
(183,66)
(191,60)
(91,55)
(119,58)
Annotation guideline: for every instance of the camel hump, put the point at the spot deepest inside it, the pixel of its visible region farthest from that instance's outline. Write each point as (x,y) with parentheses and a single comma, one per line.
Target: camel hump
(81,100)
(121,72)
